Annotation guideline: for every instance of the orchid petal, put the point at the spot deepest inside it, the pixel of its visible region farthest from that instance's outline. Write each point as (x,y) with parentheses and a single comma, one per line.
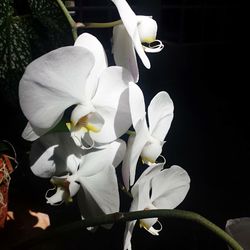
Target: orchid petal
(126,165)
(160,115)
(141,189)
(54,154)
(52,83)
(87,205)
(120,147)
(101,194)
(97,176)
(96,160)
(112,103)
(136,103)
(141,196)
(73,187)
(30,133)
(140,51)
(169,187)
(72,163)
(130,22)
(134,149)
(91,43)
(43,166)
(150,172)
(123,51)
(127,15)
(128,235)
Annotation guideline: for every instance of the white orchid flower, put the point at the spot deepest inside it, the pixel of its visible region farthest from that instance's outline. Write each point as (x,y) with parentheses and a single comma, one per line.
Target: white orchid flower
(129,37)
(157,188)
(76,76)
(148,140)
(88,173)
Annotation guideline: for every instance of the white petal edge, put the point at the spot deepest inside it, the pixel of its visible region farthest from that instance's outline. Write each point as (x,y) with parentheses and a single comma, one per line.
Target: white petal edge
(136,103)
(96,160)
(170,187)
(52,83)
(123,51)
(91,43)
(130,22)
(128,235)
(134,149)
(54,154)
(112,103)
(101,193)
(160,115)
(30,133)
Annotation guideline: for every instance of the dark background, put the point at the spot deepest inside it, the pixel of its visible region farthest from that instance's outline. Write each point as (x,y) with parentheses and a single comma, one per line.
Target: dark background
(202,67)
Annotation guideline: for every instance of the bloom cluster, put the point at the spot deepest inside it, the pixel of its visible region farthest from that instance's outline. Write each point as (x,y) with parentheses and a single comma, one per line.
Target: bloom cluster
(99,103)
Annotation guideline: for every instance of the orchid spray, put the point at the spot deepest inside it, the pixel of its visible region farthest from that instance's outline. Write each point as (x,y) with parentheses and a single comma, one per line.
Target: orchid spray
(98,104)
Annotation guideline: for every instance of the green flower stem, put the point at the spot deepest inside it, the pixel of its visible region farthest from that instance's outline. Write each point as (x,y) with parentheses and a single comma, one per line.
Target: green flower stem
(102,25)
(124,190)
(69,18)
(123,217)
(130,132)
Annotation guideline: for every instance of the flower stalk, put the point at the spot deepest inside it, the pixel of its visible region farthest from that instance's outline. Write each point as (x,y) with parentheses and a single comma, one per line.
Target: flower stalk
(129,216)
(71,21)
(103,25)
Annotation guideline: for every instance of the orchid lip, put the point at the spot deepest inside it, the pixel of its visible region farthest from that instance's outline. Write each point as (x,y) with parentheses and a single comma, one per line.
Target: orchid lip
(61,184)
(80,142)
(47,197)
(151,229)
(92,128)
(82,124)
(155,48)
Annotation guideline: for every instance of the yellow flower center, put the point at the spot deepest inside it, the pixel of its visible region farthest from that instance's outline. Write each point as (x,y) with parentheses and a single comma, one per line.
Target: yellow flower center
(82,124)
(143,225)
(148,40)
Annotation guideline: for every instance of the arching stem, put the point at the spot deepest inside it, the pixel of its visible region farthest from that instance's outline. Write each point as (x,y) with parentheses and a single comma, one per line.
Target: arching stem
(102,25)
(129,216)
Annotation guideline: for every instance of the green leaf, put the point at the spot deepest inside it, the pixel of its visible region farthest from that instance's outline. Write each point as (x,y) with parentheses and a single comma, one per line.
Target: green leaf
(54,25)
(5,9)
(15,52)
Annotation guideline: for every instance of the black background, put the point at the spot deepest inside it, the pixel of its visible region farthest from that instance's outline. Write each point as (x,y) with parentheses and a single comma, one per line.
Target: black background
(202,67)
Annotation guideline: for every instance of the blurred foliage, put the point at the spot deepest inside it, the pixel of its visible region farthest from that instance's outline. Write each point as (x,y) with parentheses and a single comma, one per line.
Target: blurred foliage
(28,29)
